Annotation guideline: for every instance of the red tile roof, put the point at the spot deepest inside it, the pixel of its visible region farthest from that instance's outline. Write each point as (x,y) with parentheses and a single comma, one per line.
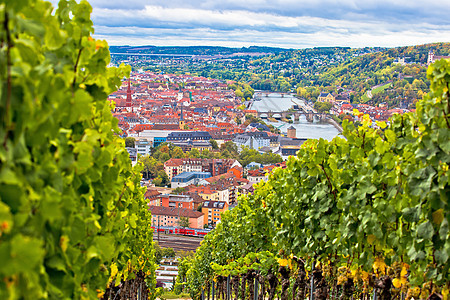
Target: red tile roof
(175,212)
(173,162)
(150,193)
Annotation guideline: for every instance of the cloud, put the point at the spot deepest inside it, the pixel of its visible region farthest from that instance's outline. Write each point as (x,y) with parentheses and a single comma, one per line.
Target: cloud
(285,23)
(240,38)
(408,10)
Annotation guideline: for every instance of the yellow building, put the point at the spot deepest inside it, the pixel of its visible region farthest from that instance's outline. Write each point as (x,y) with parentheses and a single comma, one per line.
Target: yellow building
(325,97)
(210,195)
(251,112)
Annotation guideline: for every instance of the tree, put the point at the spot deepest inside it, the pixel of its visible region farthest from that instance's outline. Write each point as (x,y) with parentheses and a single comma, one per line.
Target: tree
(179,190)
(206,154)
(214,144)
(130,142)
(248,155)
(184,222)
(165,148)
(164,157)
(158,253)
(168,252)
(162,179)
(194,153)
(229,147)
(322,106)
(270,158)
(301,92)
(177,152)
(149,170)
(72,212)
(157,181)
(159,166)
(248,94)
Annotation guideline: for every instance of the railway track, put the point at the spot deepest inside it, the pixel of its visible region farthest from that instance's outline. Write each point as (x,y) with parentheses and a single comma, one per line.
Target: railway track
(178,242)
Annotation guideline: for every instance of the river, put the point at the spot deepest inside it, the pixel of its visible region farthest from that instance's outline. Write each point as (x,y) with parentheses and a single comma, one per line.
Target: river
(304,129)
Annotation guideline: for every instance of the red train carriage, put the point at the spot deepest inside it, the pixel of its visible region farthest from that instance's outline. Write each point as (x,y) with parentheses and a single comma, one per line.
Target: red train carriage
(181,230)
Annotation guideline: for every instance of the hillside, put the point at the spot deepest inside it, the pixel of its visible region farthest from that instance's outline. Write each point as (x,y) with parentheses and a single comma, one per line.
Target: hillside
(194,50)
(354,73)
(404,68)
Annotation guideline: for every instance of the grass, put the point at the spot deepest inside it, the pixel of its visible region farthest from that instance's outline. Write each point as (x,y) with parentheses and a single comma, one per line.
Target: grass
(381,88)
(364,97)
(172,295)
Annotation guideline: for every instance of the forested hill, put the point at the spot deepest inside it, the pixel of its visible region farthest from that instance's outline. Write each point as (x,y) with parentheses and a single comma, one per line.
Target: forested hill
(394,76)
(194,50)
(419,53)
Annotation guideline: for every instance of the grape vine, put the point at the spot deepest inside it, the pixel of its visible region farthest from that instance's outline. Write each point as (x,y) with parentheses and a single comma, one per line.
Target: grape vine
(361,215)
(72,212)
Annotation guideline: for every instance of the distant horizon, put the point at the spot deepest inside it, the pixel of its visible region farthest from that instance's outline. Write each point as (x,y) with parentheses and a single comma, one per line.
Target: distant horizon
(149,45)
(265,46)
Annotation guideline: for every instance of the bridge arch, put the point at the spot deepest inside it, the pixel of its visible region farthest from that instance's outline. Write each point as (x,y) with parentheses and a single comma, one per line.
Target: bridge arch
(277,116)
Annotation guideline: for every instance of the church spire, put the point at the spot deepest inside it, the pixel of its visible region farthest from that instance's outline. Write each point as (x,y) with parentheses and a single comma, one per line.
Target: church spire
(128,103)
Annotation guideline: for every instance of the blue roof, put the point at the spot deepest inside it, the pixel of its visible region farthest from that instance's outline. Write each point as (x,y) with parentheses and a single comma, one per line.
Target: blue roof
(186,176)
(200,109)
(253,164)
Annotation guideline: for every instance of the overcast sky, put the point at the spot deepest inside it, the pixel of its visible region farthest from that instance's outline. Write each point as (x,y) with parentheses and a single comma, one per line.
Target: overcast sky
(277,23)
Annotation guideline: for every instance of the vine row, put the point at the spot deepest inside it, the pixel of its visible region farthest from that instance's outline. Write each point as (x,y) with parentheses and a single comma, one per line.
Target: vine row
(365,214)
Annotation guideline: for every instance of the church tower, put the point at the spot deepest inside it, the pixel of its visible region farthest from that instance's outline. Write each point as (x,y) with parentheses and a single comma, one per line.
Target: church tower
(181,123)
(128,102)
(430,57)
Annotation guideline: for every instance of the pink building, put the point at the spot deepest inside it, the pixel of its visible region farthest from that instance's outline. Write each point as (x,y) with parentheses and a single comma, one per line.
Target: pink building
(170,216)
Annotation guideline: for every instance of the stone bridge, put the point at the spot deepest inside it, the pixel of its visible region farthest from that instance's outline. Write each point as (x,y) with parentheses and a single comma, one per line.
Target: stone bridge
(260,95)
(294,115)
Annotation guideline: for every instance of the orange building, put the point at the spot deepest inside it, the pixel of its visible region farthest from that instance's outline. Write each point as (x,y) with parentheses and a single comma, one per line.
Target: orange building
(212,211)
(237,171)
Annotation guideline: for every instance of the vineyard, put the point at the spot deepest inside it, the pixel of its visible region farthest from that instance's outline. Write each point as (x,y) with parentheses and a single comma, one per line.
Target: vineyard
(364,216)
(73,220)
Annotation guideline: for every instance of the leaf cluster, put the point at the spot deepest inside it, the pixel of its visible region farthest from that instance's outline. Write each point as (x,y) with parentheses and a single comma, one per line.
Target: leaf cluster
(72,212)
(373,201)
